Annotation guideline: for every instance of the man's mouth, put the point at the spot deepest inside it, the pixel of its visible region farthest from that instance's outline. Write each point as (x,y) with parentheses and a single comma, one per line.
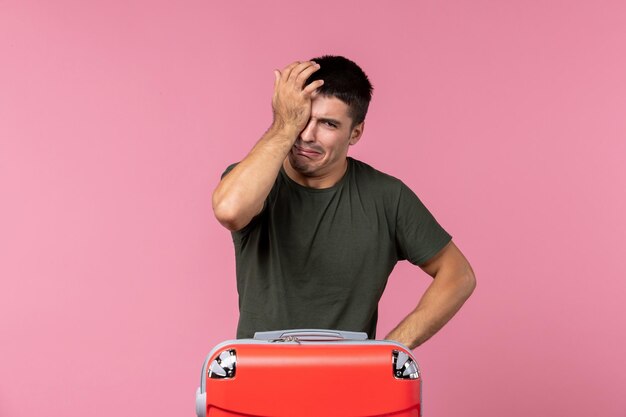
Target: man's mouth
(308,152)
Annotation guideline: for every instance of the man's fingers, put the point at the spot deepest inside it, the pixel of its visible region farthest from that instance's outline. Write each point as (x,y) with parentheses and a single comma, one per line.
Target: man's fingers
(293,76)
(309,89)
(296,74)
(287,70)
(306,73)
(276,78)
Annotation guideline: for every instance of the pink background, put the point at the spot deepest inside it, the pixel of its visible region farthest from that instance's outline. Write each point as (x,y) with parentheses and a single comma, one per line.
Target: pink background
(117,118)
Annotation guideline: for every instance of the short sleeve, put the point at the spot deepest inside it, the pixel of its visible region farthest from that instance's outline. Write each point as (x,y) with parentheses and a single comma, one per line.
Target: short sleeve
(228,169)
(419,236)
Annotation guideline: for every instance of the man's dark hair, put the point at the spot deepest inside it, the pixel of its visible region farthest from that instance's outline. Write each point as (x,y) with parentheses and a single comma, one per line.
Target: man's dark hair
(346,81)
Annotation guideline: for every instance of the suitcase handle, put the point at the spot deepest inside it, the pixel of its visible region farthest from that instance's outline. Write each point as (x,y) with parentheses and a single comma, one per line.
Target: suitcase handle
(313,335)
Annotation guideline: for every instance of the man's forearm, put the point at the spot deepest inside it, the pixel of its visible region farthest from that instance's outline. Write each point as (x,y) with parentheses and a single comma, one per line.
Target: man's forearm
(241,193)
(443,298)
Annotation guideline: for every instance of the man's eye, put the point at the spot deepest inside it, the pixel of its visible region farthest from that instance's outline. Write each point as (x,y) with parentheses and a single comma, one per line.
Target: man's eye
(330,124)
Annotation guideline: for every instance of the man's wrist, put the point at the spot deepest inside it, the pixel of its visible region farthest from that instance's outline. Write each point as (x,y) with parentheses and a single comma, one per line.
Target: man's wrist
(282,128)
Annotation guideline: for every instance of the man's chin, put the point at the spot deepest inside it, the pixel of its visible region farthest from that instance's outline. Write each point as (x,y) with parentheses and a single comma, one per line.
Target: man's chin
(302,167)
(304,170)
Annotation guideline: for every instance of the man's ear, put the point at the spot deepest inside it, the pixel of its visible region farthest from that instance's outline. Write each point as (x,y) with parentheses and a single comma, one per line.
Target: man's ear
(357,131)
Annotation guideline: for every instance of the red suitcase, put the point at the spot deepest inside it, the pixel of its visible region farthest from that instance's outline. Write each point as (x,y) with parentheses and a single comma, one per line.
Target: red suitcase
(301,373)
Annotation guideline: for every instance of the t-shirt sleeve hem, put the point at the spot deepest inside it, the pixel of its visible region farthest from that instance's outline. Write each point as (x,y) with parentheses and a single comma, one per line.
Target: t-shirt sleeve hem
(434,251)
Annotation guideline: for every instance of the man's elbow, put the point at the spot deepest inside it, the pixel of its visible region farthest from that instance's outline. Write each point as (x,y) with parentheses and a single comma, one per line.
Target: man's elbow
(468,281)
(228,215)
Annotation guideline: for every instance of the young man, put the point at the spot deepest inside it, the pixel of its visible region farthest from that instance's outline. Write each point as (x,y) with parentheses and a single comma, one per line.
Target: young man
(316,232)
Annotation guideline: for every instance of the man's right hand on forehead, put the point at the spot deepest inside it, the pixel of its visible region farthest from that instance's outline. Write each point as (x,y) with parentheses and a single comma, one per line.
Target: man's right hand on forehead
(291,102)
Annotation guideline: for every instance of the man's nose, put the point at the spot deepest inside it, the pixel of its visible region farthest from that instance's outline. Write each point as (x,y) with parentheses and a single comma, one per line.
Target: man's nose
(308,134)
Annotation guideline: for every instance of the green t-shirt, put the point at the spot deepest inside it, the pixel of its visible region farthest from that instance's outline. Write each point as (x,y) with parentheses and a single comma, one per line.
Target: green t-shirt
(320,258)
